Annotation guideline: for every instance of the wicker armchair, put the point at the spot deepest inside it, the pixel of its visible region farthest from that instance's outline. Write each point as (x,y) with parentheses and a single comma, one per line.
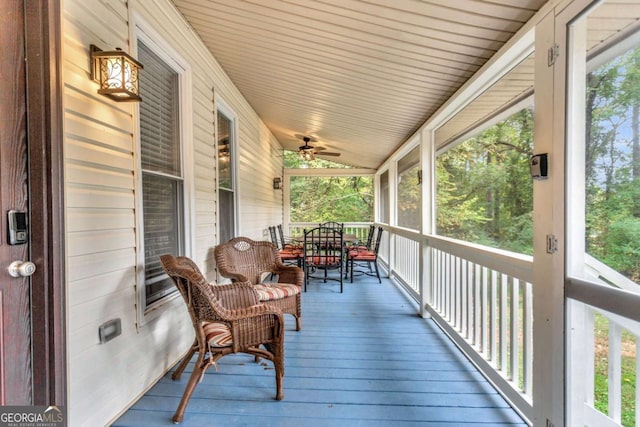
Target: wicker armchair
(244,260)
(227,319)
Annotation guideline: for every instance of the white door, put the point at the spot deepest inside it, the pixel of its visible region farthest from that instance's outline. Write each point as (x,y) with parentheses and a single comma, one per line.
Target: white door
(602,251)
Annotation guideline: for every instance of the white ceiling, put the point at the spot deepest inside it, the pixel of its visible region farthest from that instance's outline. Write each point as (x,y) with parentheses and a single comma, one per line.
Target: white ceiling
(359,75)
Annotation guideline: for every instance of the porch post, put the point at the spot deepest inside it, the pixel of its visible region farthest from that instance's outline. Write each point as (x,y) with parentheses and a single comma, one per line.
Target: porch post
(428,195)
(548,226)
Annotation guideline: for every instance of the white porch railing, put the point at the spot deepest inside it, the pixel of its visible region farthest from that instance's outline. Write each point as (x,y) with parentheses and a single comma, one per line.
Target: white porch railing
(482,297)
(359,229)
(589,347)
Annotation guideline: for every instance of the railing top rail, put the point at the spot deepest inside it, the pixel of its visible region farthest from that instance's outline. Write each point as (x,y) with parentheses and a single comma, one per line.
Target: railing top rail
(506,262)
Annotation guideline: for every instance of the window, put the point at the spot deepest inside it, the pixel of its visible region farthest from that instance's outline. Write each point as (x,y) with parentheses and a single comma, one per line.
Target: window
(315,199)
(161,174)
(612,165)
(385,205)
(484,188)
(409,190)
(226,181)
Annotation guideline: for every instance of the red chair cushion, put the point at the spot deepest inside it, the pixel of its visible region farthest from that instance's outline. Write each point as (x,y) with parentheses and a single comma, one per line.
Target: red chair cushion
(328,260)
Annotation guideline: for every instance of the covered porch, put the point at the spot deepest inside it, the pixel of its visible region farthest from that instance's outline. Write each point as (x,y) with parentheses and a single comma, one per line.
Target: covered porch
(459,332)
(363,358)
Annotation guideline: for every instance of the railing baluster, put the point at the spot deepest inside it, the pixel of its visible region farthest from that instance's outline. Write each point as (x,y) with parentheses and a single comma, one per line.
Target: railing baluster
(527,345)
(477,307)
(637,405)
(486,314)
(469,300)
(450,286)
(514,344)
(615,379)
(493,301)
(503,323)
(455,295)
(464,300)
(438,274)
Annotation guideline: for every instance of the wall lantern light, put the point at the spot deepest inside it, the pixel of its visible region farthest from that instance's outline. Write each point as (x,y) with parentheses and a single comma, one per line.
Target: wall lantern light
(277,183)
(116,73)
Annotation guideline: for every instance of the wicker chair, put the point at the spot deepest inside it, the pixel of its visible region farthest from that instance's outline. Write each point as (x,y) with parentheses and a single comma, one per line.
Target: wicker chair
(227,319)
(244,260)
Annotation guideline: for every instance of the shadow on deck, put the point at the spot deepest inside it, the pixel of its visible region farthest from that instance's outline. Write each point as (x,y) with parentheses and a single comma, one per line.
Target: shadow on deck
(363,358)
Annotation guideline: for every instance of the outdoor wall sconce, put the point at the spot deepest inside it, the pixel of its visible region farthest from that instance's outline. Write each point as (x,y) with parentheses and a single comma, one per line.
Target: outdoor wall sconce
(116,73)
(277,183)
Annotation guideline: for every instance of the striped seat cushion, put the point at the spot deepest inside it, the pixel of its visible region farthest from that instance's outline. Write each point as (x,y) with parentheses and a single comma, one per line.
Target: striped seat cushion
(217,334)
(273,291)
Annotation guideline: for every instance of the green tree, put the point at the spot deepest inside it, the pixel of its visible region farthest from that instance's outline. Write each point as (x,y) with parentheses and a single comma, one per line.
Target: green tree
(328,198)
(484,189)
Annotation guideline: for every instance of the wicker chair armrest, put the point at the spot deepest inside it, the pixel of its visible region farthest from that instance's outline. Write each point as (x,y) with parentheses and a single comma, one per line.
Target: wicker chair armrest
(255,311)
(290,274)
(235,277)
(236,295)
(241,314)
(256,324)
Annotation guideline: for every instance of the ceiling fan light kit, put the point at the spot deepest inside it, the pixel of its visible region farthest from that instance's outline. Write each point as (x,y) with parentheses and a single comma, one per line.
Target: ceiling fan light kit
(308,152)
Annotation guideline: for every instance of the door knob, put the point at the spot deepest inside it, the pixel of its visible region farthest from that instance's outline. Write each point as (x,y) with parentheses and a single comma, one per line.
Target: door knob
(21,268)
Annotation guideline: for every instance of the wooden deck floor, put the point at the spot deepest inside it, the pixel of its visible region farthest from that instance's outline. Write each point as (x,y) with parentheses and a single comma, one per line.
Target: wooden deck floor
(363,358)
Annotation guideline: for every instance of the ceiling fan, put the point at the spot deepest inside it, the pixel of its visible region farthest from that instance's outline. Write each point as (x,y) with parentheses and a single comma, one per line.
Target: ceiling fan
(308,152)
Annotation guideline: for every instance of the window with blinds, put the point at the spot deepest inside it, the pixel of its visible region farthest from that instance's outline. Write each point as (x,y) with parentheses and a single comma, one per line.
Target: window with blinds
(162,182)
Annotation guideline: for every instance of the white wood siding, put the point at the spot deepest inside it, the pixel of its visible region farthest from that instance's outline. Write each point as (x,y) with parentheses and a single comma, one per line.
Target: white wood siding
(100,158)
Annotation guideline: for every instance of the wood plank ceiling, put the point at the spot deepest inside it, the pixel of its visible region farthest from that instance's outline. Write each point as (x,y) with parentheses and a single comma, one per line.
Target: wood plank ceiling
(359,75)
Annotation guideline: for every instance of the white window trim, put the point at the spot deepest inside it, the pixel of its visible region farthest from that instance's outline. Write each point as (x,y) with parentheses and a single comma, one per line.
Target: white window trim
(141,30)
(223,107)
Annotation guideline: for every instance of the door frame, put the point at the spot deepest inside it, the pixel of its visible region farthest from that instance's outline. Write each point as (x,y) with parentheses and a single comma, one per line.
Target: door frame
(46,202)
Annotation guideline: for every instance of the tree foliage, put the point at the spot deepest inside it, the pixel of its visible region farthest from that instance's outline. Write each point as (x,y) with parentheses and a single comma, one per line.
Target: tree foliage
(328,198)
(612,164)
(484,189)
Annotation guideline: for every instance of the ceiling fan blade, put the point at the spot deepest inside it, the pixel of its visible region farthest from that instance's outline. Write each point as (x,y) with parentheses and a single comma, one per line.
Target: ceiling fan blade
(328,154)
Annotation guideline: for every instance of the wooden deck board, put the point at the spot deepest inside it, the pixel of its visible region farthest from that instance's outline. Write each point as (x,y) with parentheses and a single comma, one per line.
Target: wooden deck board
(363,358)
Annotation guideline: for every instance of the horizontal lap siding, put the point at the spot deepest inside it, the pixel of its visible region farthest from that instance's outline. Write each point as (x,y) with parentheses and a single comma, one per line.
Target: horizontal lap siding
(104,379)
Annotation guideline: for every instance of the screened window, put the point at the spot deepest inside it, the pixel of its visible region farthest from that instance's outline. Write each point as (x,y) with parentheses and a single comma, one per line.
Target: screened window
(409,192)
(316,199)
(384,198)
(612,166)
(226,186)
(162,181)
(484,187)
